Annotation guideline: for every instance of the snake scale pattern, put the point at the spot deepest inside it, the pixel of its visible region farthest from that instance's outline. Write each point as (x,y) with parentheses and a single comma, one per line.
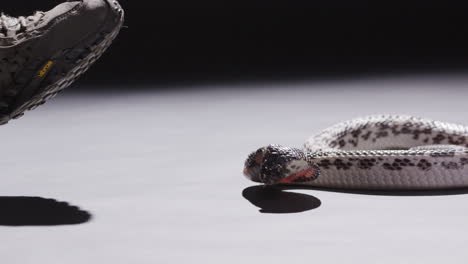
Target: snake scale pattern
(393,152)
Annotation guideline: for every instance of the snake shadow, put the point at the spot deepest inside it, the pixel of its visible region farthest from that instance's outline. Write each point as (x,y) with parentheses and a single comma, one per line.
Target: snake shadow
(274,200)
(437,192)
(38,211)
(277,199)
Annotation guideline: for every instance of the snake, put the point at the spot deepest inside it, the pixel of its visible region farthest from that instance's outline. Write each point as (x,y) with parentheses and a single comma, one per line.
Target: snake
(378,152)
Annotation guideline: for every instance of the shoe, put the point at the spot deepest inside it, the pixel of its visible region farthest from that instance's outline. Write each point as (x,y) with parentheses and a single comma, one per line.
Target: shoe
(44,53)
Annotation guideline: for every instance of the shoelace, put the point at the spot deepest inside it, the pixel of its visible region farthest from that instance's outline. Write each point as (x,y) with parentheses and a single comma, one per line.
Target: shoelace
(11,26)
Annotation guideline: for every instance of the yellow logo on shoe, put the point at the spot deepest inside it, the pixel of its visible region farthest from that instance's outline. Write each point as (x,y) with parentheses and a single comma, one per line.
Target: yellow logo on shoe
(45,69)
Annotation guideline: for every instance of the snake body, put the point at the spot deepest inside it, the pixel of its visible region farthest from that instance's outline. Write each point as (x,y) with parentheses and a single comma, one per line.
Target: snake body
(375,152)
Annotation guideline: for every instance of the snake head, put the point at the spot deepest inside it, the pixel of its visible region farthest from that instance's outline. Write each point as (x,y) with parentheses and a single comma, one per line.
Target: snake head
(277,164)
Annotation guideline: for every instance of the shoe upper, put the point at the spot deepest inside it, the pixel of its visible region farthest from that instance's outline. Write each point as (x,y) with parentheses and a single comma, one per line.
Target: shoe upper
(12,28)
(26,43)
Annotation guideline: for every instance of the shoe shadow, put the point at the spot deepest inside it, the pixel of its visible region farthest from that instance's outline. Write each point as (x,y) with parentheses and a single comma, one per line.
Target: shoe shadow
(38,211)
(271,199)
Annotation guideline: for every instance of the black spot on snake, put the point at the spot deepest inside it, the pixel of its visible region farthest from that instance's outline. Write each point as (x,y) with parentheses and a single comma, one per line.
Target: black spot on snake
(367,135)
(342,143)
(450,165)
(438,139)
(424,165)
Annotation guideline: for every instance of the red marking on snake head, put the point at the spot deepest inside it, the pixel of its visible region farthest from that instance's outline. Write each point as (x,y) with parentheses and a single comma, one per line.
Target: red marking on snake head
(301,176)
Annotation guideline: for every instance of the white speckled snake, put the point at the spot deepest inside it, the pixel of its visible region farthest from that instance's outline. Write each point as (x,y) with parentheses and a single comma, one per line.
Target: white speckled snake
(377,152)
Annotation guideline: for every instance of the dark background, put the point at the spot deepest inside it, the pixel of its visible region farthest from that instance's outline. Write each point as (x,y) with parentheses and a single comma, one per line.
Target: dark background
(196,42)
